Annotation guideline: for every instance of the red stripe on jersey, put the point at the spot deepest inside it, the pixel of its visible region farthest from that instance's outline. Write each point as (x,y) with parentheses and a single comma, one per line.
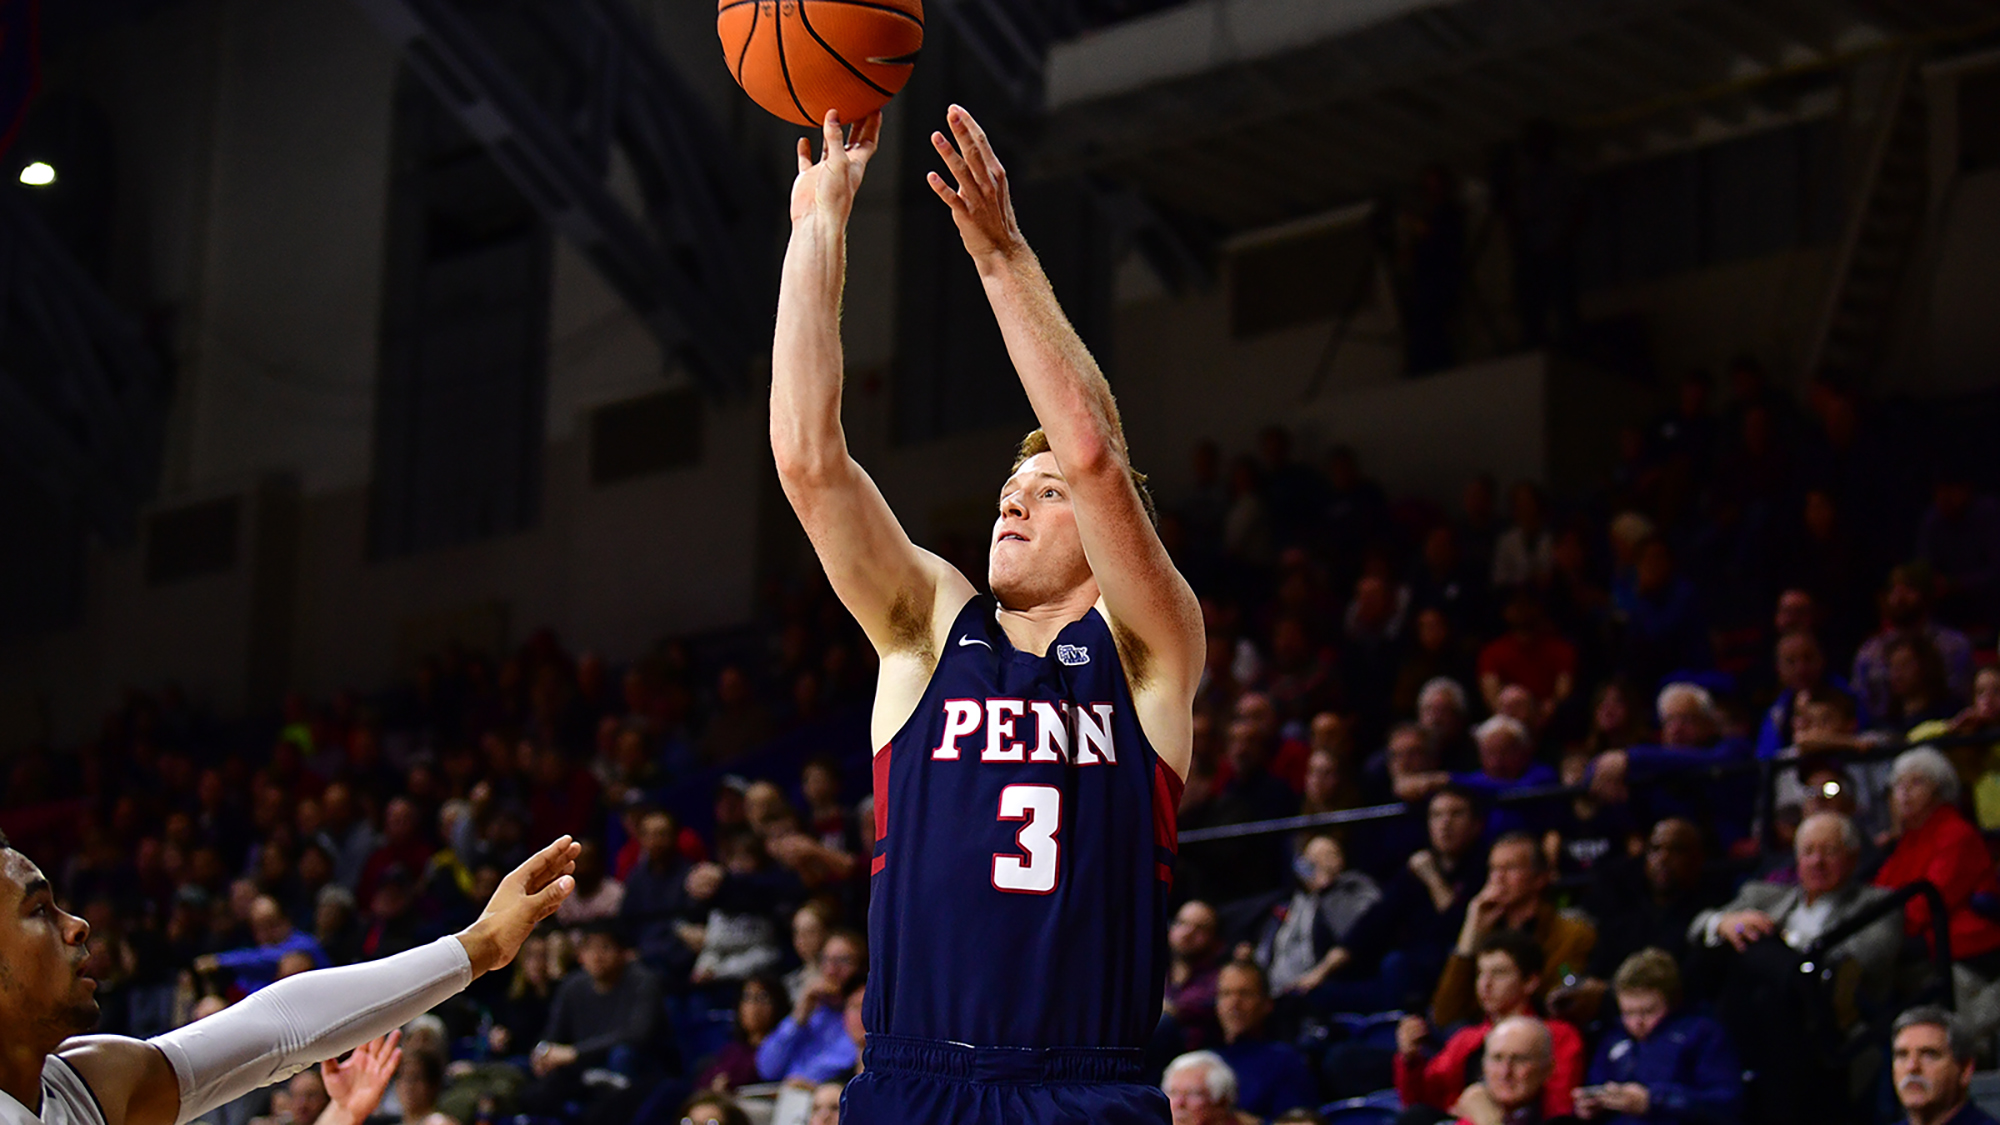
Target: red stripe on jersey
(881,770)
(1163,873)
(1167,788)
(881,765)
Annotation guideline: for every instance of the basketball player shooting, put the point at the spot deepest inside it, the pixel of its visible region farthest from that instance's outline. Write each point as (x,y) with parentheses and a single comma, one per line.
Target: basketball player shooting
(52,1073)
(1031,745)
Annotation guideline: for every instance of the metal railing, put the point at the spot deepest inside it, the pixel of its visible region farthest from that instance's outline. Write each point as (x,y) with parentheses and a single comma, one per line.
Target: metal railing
(1768,770)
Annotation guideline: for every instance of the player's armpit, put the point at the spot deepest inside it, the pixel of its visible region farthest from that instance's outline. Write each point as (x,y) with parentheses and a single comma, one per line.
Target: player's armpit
(893,587)
(131,1079)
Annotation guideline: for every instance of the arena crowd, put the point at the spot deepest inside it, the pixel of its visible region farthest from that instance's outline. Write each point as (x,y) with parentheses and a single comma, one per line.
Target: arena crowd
(1625,784)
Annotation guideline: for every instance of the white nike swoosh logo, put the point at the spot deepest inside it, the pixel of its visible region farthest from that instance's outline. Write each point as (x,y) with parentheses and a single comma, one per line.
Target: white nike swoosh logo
(963,641)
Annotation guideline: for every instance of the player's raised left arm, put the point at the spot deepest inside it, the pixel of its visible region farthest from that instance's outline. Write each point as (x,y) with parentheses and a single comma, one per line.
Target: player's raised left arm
(302,1020)
(1147,597)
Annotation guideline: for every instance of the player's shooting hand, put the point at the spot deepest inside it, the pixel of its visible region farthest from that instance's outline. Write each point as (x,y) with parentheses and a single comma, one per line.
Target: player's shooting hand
(354,1087)
(981,204)
(529,893)
(826,187)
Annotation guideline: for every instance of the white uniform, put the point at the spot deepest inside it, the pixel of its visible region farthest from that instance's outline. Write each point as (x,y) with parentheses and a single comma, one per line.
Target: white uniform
(65,1100)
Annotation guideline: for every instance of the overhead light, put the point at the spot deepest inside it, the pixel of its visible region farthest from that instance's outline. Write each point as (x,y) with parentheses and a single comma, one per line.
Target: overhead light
(38,174)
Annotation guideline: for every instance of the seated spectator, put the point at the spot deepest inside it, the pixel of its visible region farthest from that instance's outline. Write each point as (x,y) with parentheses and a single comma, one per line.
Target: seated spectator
(1691,743)
(1787,1026)
(757,1009)
(1655,914)
(826,1103)
(1827,894)
(597,895)
(1271,1075)
(1444,712)
(403,845)
(1514,898)
(522,1011)
(810,925)
(712,1109)
(1412,765)
(1940,845)
(1918,693)
(606,1015)
(736,899)
(1824,736)
(1328,783)
(1661,1065)
(1524,554)
(1514,1076)
(1302,943)
(258,965)
(655,893)
(1960,541)
(1931,1056)
(1422,908)
(1663,627)
(1507,763)
(1200,1089)
(1530,654)
(1977,764)
(1906,613)
(1509,976)
(1437,650)
(1194,950)
(1801,668)
(1518,704)
(811,1045)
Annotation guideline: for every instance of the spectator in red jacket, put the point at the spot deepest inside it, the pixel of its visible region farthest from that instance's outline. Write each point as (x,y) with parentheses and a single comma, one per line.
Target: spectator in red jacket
(1510,972)
(1939,844)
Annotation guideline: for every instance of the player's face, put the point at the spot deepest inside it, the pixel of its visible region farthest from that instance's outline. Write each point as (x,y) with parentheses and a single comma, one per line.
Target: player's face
(1036,554)
(43,992)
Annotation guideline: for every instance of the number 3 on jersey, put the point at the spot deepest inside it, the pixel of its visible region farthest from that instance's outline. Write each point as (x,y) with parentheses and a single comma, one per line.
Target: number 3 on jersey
(1033,872)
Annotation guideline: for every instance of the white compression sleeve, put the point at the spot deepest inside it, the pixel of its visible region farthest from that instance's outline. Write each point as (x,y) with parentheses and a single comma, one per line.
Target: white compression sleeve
(285,1027)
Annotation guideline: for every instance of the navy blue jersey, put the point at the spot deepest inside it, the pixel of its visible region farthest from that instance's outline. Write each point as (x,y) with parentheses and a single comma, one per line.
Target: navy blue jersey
(1024,850)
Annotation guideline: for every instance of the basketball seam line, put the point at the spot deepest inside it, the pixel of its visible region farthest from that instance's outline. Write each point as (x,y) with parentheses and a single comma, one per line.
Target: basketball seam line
(785,68)
(748,38)
(837,56)
(890,9)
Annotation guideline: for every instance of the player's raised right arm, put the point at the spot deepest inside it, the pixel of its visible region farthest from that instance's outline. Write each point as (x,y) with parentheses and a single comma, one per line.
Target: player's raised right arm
(888,583)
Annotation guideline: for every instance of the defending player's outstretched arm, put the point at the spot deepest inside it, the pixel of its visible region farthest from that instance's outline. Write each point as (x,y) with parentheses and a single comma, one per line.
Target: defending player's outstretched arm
(304,1019)
(1150,604)
(892,586)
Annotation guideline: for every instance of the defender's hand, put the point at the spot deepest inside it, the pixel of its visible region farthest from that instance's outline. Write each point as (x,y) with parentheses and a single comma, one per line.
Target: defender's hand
(982,206)
(356,1086)
(827,188)
(529,893)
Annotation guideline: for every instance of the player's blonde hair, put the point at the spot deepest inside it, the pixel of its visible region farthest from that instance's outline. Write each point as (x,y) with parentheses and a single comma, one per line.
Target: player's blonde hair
(1037,441)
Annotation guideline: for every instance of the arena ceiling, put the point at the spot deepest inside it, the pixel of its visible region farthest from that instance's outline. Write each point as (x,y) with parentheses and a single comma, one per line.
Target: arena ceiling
(1306,127)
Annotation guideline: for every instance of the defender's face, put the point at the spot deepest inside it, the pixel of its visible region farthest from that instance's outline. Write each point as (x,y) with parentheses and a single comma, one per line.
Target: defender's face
(42,951)
(1036,553)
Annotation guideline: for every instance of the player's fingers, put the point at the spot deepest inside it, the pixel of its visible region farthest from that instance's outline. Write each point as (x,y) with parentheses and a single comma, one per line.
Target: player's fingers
(973,144)
(953,161)
(833,137)
(805,154)
(868,132)
(546,864)
(944,192)
(548,898)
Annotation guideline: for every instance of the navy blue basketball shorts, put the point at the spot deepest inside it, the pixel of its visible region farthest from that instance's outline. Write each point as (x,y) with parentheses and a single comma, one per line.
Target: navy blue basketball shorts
(929,1082)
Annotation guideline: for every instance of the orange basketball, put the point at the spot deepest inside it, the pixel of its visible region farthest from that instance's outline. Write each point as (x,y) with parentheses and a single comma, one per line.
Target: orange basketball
(800,58)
